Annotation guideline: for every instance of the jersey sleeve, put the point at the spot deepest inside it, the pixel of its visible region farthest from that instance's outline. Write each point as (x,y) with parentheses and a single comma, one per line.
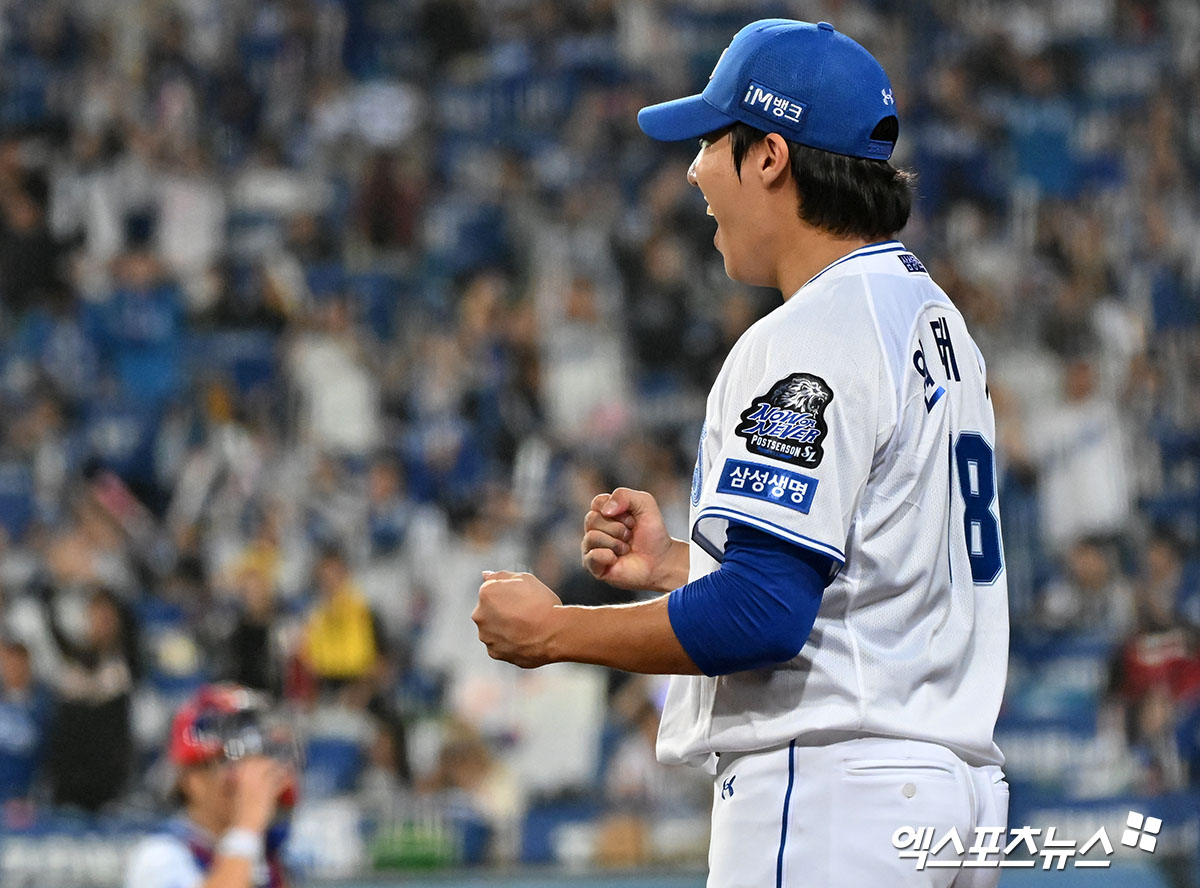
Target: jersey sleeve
(798,414)
(161,862)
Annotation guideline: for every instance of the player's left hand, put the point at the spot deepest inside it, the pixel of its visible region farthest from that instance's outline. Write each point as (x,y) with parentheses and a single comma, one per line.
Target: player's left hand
(514,616)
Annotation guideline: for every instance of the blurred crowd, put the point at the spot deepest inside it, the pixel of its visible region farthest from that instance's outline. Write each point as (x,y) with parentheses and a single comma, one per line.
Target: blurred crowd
(311,310)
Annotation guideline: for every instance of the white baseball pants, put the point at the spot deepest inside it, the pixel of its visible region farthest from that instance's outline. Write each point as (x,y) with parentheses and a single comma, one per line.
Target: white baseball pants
(826,816)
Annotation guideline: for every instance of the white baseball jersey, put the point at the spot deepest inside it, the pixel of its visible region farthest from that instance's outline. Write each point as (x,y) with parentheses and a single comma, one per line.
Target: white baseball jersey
(854,420)
(180,856)
(162,861)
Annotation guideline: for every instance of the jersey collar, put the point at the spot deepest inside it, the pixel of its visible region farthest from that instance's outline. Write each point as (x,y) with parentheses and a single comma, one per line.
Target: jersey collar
(888,246)
(190,831)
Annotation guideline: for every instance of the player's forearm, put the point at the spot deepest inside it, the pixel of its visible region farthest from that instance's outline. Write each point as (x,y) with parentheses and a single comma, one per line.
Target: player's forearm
(631,637)
(674,569)
(230,872)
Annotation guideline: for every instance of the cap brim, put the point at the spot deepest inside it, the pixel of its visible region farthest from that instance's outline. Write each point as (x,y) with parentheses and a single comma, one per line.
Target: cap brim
(680,119)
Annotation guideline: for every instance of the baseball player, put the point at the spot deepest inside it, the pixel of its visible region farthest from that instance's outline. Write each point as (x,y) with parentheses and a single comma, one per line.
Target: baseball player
(836,626)
(233,777)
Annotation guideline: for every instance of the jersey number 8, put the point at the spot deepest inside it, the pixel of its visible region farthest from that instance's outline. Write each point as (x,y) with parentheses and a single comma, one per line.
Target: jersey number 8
(977,481)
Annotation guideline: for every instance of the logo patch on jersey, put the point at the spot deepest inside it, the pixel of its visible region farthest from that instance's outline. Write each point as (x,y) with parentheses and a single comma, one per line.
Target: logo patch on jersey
(788,422)
(698,472)
(912,263)
(768,483)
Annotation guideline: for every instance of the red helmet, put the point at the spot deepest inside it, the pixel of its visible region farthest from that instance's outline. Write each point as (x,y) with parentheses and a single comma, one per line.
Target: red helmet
(204,724)
(225,722)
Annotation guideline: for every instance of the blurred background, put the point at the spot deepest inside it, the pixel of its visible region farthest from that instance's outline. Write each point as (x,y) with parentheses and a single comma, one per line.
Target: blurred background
(312,309)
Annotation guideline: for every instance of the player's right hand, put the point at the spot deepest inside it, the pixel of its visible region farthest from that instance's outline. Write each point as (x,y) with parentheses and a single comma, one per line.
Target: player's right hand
(258,783)
(626,544)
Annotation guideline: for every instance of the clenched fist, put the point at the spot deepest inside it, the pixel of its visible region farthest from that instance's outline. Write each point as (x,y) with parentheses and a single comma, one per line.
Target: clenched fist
(515,616)
(626,544)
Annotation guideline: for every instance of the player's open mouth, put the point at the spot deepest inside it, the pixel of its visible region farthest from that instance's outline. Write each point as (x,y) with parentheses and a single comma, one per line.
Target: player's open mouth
(707,210)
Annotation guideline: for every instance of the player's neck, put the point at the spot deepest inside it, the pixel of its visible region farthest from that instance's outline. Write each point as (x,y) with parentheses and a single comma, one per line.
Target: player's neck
(811,251)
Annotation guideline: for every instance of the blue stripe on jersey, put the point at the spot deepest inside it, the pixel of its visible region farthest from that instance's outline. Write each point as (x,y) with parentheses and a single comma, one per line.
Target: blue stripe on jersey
(762,524)
(892,246)
(787,801)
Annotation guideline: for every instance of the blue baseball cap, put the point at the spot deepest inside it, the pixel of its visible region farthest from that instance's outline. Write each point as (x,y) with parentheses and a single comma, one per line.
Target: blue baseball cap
(809,83)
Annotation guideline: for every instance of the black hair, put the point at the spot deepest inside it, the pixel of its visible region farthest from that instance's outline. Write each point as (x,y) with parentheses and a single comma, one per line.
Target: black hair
(842,195)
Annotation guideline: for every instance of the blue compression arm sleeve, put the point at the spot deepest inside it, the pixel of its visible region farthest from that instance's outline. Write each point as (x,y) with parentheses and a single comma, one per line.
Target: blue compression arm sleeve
(756,610)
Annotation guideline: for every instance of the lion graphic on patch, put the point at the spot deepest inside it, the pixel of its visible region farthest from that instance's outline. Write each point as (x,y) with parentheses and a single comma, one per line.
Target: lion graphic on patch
(788,422)
(802,393)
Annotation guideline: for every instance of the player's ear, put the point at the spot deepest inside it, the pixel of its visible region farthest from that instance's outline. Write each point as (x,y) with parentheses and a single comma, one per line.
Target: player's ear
(773,160)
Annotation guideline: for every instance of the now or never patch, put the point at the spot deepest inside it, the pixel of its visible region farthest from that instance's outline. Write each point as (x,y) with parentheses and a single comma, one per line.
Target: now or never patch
(768,483)
(788,422)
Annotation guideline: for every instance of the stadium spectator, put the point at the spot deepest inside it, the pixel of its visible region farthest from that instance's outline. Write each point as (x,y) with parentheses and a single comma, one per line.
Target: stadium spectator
(54,339)
(633,779)
(477,537)
(24,715)
(1079,446)
(141,323)
(1154,678)
(1163,595)
(254,649)
(191,211)
(479,794)
(657,304)
(333,503)
(1162,654)
(1092,596)
(641,794)
(343,643)
(387,778)
(388,205)
(340,396)
(389,510)
(90,754)
(584,382)
(29,254)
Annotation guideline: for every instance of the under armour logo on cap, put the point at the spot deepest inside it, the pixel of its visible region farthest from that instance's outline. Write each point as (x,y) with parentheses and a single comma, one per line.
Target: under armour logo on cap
(887,97)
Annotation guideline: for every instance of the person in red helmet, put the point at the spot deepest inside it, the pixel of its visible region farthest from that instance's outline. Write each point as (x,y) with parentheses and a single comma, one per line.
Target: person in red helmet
(233,776)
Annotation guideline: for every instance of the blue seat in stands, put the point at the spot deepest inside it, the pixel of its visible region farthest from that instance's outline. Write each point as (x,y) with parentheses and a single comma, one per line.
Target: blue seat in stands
(377,296)
(175,665)
(543,820)
(248,358)
(325,278)
(119,435)
(16,498)
(331,765)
